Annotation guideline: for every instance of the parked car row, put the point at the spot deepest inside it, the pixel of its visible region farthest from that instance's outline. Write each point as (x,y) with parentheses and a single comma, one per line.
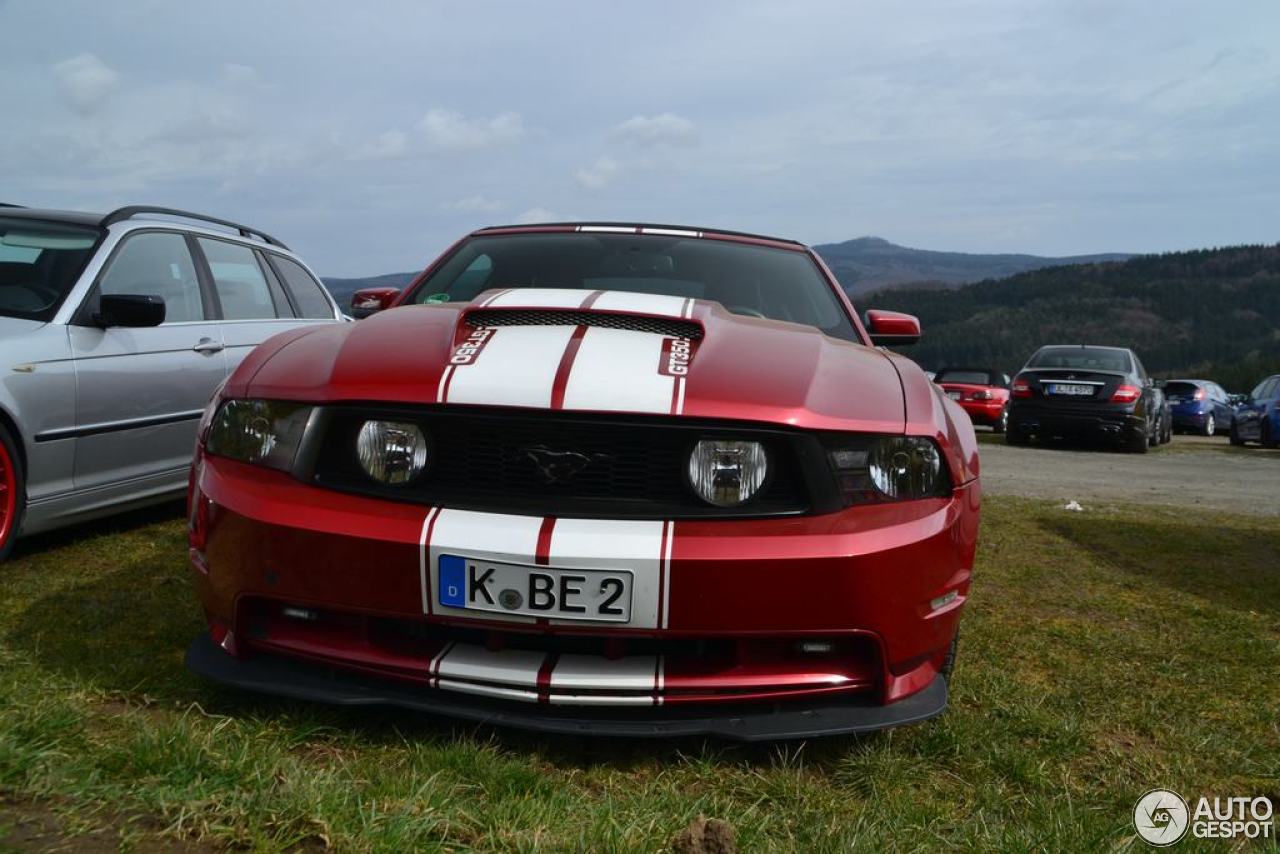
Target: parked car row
(1084,391)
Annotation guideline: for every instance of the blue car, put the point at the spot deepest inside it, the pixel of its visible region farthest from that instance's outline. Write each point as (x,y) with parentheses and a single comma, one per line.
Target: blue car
(1198,406)
(1258,417)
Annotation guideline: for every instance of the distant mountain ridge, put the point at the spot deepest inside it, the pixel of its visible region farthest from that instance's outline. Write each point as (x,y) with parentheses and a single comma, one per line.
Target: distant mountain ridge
(861,265)
(872,263)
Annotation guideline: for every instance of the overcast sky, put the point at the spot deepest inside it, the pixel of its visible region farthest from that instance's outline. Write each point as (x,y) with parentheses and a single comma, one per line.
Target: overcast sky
(369,135)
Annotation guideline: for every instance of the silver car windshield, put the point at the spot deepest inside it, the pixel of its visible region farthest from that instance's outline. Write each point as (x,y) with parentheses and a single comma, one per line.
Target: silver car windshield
(759,281)
(39,263)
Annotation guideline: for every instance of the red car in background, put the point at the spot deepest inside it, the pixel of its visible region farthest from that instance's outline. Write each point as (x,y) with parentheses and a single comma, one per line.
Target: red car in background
(981,392)
(593,478)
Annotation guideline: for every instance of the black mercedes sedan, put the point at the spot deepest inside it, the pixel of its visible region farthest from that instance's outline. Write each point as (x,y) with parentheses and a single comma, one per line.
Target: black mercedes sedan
(1087,392)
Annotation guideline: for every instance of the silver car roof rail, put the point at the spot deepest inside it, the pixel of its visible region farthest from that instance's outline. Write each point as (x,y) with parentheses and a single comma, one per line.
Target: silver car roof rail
(121,214)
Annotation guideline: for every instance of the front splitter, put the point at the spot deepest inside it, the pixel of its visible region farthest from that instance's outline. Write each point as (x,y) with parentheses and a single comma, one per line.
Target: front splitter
(283,677)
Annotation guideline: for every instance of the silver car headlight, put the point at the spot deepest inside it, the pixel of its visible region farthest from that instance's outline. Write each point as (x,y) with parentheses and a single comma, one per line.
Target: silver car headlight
(391,452)
(887,468)
(726,472)
(259,432)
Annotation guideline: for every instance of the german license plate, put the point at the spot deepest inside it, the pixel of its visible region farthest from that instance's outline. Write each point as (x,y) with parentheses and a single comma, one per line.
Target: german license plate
(535,591)
(954,395)
(1069,389)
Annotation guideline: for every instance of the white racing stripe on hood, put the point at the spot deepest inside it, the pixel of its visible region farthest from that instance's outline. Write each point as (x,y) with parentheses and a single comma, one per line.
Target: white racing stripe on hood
(517,368)
(616,370)
(658,304)
(540,298)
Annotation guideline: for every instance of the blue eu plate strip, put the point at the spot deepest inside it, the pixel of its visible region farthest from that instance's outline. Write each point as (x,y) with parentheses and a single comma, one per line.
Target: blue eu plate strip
(453,572)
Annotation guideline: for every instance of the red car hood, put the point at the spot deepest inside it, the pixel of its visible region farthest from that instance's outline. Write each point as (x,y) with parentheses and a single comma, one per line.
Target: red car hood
(741,368)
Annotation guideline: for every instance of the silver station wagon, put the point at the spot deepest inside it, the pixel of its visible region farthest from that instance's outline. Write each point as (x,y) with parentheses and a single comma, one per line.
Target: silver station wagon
(115,331)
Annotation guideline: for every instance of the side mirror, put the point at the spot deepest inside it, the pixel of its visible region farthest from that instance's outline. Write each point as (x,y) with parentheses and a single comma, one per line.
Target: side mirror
(367,301)
(891,327)
(135,310)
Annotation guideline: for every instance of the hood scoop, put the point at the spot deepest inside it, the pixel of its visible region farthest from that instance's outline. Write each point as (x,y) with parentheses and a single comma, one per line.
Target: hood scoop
(668,327)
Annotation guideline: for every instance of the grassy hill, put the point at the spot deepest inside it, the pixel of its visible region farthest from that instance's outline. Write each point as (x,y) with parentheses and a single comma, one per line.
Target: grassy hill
(1212,313)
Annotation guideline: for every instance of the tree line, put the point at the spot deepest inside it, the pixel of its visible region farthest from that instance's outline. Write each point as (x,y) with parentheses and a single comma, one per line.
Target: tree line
(1209,313)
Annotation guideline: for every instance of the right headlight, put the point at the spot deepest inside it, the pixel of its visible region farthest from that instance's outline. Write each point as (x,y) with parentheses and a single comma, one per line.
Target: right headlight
(887,468)
(727,472)
(260,432)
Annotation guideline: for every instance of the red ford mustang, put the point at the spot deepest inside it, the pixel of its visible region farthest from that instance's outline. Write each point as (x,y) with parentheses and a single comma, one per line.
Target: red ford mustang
(594,478)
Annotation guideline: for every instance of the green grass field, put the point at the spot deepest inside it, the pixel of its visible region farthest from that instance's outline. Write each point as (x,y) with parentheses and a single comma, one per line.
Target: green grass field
(1103,653)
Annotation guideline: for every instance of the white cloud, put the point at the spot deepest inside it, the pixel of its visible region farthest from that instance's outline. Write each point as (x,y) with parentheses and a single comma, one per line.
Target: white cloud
(85,81)
(388,145)
(664,129)
(477,203)
(452,131)
(599,174)
(533,215)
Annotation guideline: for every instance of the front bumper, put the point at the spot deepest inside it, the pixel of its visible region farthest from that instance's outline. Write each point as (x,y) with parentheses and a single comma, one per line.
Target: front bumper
(721,608)
(743,722)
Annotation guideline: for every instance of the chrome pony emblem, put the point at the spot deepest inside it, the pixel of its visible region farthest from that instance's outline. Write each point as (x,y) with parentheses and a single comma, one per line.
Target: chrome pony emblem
(559,466)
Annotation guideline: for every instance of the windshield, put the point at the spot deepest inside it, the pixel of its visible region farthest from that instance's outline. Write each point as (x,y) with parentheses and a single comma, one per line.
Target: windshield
(39,262)
(1081,359)
(966,377)
(759,281)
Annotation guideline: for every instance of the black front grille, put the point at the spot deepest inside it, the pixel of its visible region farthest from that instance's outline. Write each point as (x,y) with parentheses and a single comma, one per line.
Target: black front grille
(666,326)
(623,467)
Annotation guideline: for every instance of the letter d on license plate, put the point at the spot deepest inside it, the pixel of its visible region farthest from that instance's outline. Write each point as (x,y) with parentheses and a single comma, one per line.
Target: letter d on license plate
(602,595)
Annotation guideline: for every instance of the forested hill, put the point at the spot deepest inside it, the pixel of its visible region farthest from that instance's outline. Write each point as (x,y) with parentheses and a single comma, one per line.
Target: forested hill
(1212,313)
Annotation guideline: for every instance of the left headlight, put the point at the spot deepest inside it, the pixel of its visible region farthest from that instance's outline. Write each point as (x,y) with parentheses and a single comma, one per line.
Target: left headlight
(887,468)
(260,432)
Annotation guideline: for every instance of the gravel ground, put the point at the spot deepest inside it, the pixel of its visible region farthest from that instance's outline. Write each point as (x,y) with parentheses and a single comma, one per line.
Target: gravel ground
(1192,472)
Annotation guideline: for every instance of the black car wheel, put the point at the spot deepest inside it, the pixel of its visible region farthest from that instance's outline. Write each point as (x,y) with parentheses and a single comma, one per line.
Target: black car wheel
(1166,435)
(1002,423)
(1233,433)
(1264,435)
(1139,441)
(1016,436)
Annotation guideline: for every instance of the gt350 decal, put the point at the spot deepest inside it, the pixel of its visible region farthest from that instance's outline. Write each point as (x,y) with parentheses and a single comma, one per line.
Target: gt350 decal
(676,355)
(469,350)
